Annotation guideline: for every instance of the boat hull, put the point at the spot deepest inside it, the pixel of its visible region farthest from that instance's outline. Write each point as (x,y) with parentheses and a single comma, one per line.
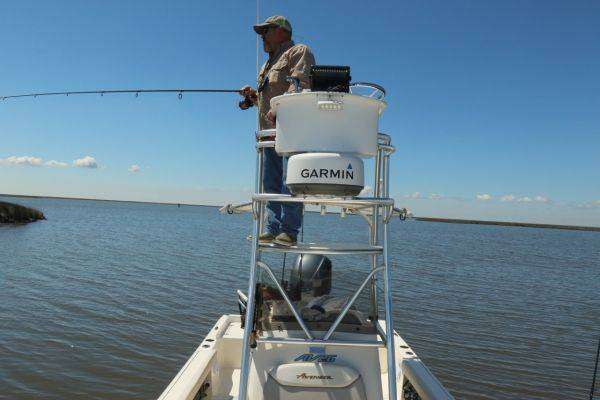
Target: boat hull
(286,365)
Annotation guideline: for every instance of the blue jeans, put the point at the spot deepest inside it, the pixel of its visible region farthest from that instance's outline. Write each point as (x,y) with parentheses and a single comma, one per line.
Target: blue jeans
(281,217)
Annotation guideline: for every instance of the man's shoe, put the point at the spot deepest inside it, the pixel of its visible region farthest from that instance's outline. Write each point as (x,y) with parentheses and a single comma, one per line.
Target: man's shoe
(284,239)
(266,237)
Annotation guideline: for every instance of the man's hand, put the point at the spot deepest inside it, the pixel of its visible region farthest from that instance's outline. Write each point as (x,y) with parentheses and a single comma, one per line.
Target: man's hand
(271,117)
(247,91)
(250,97)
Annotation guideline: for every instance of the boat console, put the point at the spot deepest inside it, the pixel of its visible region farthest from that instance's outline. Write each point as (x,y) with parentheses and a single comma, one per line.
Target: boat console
(301,333)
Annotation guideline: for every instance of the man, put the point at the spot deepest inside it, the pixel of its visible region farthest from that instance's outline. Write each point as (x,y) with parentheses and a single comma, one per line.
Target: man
(285,59)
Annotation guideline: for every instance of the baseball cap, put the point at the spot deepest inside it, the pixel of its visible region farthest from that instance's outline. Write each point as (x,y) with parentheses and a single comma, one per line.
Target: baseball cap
(275,20)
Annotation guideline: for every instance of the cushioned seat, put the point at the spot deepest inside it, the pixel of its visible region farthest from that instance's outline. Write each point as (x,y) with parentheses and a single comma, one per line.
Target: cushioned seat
(315,381)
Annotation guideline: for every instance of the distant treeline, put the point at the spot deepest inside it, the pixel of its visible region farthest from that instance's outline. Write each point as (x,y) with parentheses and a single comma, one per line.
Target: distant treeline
(521,224)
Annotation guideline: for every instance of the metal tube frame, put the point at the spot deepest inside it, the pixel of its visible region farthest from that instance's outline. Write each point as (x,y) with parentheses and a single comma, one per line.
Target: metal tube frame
(307,331)
(259,185)
(373,236)
(309,248)
(319,342)
(381,332)
(350,202)
(383,141)
(249,321)
(381,205)
(389,323)
(349,304)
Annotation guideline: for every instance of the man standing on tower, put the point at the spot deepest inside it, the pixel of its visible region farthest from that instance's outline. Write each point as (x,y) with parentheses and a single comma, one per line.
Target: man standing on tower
(286,59)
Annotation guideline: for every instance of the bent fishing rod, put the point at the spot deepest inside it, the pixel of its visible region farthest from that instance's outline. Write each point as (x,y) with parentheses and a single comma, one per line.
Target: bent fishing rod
(137,92)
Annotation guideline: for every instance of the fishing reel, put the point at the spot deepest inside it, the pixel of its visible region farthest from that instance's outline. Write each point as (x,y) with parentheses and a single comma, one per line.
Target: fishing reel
(246,103)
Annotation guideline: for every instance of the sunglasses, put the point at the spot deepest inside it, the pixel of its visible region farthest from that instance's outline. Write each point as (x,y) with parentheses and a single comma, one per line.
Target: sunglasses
(268,29)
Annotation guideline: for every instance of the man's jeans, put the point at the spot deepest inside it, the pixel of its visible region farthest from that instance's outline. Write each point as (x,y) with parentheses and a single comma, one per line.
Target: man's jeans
(281,217)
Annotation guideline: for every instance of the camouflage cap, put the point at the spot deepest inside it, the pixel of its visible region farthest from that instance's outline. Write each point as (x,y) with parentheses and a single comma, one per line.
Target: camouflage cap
(276,20)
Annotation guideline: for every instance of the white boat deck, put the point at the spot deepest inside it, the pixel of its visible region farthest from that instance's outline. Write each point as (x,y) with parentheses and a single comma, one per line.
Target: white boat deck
(217,360)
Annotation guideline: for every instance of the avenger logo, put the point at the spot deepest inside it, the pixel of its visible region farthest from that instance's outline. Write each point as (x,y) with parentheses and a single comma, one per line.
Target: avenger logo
(304,375)
(320,358)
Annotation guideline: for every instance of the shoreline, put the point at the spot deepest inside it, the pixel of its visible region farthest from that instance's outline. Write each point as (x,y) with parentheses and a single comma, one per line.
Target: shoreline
(515,224)
(26,196)
(421,219)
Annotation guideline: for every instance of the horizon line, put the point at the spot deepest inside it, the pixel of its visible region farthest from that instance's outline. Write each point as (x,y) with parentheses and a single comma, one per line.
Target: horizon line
(416,218)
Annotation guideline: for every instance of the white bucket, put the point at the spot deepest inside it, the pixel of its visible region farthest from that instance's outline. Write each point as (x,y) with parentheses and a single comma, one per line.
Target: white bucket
(327,122)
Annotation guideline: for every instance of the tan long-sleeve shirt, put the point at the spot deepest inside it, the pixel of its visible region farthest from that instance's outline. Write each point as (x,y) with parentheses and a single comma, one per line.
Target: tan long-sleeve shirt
(290,60)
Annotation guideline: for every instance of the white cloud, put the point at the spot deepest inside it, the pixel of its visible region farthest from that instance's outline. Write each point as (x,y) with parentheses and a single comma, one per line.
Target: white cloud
(525,199)
(86,162)
(134,168)
(56,164)
(484,197)
(367,191)
(23,160)
(435,196)
(589,205)
(415,195)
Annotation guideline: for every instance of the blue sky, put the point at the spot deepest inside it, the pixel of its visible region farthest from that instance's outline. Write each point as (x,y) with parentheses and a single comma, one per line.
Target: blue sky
(494,107)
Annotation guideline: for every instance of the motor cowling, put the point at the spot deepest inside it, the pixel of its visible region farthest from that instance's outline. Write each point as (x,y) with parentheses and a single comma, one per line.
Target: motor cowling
(310,276)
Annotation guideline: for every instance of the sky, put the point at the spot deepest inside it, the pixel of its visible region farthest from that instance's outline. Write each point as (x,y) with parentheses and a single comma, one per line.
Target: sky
(493,106)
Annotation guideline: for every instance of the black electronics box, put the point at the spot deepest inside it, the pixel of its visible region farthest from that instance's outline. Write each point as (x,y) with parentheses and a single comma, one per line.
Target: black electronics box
(330,78)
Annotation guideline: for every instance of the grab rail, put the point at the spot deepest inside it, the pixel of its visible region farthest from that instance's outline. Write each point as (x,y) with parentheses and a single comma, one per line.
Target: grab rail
(423,381)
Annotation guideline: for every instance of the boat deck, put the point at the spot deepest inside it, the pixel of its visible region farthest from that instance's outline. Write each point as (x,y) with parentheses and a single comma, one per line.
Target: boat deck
(217,361)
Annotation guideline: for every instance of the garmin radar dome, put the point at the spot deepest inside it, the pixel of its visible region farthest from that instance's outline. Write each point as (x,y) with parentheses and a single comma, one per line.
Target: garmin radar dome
(325,132)
(325,173)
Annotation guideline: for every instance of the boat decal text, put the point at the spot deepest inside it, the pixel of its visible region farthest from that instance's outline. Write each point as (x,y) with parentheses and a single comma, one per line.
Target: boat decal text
(311,357)
(328,173)
(304,375)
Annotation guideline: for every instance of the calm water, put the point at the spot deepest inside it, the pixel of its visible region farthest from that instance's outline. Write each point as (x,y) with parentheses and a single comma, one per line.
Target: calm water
(106,300)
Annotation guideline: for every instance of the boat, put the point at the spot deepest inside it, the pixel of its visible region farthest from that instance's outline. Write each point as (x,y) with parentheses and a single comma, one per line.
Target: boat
(297,334)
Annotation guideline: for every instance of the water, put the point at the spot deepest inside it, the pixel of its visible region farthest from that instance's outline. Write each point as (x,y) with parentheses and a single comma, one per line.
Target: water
(106,300)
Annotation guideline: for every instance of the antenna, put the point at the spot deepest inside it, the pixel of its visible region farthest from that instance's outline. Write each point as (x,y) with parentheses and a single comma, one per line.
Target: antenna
(257,61)
(257,44)
(593,388)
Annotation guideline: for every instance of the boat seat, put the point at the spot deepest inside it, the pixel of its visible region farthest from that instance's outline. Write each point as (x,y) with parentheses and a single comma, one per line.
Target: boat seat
(315,381)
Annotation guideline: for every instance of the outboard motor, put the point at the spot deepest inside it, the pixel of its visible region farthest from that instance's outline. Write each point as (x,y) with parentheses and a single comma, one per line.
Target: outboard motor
(310,277)
(326,132)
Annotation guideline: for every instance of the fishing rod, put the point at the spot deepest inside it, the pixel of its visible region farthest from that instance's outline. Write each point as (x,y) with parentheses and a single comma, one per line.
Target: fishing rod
(137,92)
